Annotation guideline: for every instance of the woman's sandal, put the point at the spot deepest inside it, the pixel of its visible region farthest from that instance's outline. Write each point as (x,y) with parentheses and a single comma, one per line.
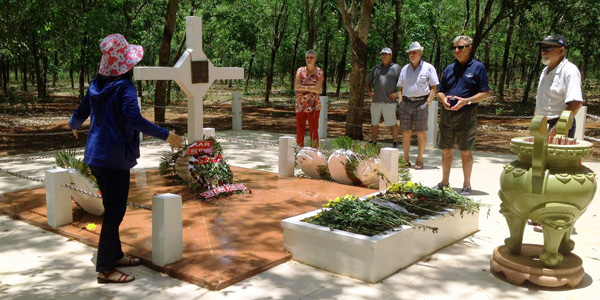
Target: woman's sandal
(418,165)
(114,276)
(129,261)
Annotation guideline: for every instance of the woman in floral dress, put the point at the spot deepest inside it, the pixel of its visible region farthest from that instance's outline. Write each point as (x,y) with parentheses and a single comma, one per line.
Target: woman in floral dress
(309,80)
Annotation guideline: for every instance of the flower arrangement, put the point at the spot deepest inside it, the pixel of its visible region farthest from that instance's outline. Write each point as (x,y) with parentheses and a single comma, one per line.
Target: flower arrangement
(205,172)
(401,204)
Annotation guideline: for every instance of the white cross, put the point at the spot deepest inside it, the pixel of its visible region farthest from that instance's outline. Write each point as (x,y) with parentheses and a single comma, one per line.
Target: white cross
(194,73)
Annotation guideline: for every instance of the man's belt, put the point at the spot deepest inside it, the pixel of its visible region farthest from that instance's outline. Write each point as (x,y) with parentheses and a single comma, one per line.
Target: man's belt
(421,98)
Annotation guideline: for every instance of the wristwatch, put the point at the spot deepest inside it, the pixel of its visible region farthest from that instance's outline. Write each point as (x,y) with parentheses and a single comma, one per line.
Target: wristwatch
(469,101)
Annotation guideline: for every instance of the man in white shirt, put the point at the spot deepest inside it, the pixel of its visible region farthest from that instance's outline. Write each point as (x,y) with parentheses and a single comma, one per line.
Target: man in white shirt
(418,84)
(560,83)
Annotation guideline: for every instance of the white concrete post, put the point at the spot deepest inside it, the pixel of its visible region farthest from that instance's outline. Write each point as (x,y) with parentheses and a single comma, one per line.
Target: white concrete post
(580,123)
(208,132)
(167,229)
(58,197)
(432,125)
(389,166)
(236,111)
(286,156)
(140,105)
(323,117)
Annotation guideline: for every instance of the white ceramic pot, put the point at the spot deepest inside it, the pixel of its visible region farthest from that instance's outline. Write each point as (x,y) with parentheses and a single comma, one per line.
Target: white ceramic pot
(310,160)
(89,203)
(367,172)
(337,165)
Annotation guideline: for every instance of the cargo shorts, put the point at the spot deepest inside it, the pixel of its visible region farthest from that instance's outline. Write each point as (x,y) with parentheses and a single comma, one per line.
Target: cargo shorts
(458,128)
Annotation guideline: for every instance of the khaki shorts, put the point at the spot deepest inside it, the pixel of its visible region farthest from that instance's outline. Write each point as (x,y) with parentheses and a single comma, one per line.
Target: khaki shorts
(458,127)
(388,110)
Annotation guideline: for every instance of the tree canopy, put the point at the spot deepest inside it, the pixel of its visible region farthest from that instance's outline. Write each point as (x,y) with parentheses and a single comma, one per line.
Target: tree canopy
(41,41)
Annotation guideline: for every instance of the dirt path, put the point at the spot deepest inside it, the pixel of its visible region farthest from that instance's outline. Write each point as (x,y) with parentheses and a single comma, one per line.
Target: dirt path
(45,127)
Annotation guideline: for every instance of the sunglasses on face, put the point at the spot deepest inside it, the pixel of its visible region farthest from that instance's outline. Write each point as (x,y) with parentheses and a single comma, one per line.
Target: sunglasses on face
(546,48)
(459,47)
(310,57)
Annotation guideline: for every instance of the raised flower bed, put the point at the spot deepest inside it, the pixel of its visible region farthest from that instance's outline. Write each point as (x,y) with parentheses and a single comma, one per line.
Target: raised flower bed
(373,258)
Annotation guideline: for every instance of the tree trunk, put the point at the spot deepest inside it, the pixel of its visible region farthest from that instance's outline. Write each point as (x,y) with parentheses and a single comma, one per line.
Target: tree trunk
(249,72)
(24,73)
(294,55)
(71,76)
(530,79)
(270,75)
(341,69)
(326,61)
(44,82)
(279,32)
(504,70)
(82,66)
(396,28)
(55,72)
(2,79)
(311,28)
(164,59)
(359,34)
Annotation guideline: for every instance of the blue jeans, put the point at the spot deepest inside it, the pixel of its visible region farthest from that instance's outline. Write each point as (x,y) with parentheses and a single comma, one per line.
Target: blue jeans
(114,186)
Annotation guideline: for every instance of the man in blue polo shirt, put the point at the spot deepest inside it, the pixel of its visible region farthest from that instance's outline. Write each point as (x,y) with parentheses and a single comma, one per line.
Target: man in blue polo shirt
(463,85)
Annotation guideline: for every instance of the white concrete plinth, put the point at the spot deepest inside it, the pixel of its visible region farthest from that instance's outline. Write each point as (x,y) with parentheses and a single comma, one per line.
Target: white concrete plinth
(580,123)
(432,125)
(323,117)
(139,99)
(286,156)
(236,111)
(371,259)
(58,197)
(389,166)
(167,229)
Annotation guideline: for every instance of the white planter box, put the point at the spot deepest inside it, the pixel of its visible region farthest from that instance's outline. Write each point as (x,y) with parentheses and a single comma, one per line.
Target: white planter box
(371,259)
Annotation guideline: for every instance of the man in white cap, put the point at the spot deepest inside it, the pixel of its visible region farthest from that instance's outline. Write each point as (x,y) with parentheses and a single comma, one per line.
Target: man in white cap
(560,83)
(383,78)
(418,83)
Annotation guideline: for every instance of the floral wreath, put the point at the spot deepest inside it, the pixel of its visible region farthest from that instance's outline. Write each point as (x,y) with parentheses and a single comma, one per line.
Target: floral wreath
(209,173)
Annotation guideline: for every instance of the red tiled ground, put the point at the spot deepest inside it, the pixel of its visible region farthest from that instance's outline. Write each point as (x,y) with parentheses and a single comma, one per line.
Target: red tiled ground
(225,240)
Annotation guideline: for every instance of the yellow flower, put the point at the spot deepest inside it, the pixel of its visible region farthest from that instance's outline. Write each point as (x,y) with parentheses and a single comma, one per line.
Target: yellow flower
(90,226)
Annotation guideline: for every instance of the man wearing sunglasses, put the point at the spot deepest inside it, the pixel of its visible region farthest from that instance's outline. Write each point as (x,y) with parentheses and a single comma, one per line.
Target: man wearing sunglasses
(464,83)
(559,87)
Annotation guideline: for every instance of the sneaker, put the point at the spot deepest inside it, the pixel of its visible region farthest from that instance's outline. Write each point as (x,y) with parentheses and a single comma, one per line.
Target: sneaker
(440,186)
(466,191)
(395,145)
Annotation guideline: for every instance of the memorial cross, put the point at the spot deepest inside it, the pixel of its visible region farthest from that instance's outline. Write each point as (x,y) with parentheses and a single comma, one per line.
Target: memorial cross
(194,73)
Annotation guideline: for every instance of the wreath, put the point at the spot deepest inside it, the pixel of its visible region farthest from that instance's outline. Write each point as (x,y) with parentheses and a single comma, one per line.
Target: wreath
(203,168)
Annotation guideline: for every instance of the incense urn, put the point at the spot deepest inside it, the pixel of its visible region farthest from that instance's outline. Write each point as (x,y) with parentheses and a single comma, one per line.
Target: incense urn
(547,184)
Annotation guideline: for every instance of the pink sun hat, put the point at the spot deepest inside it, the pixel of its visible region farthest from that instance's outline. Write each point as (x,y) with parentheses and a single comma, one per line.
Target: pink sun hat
(118,56)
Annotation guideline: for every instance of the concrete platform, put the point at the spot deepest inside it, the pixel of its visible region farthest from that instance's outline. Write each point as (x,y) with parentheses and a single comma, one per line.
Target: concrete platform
(37,264)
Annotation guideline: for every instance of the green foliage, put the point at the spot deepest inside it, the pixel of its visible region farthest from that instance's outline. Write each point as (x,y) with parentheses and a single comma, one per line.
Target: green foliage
(401,204)
(56,37)
(67,159)
(351,214)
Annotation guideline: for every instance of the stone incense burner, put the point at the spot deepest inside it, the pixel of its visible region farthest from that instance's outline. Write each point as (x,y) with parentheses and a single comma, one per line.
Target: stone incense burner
(549,185)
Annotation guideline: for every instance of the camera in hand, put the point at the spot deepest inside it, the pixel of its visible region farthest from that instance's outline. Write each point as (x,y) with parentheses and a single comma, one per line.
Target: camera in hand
(452,101)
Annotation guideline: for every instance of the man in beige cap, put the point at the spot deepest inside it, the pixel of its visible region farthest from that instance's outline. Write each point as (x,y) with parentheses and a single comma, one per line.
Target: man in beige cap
(418,83)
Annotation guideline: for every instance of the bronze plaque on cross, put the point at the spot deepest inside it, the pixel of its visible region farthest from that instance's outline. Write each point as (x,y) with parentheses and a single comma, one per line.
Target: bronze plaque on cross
(200,71)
